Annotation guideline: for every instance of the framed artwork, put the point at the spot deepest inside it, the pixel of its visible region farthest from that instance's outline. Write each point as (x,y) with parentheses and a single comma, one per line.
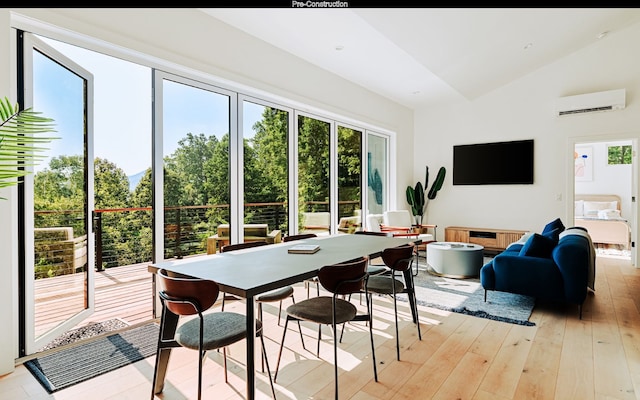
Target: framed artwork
(583,163)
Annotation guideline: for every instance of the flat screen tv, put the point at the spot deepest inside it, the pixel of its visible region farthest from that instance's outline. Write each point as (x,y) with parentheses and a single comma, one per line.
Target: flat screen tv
(497,163)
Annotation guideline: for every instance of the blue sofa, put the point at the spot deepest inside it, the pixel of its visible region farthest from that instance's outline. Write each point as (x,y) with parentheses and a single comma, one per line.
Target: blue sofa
(558,265)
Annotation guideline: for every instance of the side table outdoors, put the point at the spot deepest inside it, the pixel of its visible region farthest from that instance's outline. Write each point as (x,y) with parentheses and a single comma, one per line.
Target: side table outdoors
(454,259)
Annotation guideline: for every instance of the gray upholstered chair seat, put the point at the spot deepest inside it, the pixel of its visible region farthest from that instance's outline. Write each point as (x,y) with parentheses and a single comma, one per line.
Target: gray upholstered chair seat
(221,329)
(383,285)
(376,269)
(276,295)
(315,310)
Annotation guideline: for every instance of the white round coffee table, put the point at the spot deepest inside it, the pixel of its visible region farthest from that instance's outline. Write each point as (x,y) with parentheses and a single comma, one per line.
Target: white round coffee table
(454,259)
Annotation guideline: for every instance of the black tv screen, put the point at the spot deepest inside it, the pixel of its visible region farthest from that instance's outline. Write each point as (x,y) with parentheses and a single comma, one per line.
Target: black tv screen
(498,163)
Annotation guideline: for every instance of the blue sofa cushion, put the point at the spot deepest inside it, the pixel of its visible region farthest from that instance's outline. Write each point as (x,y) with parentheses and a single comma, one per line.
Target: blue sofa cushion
(553,234)
(539,246)
(553,225)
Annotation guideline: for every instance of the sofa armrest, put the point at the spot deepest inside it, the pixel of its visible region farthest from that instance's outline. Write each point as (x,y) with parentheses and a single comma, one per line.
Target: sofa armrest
(530,276)
(573,257)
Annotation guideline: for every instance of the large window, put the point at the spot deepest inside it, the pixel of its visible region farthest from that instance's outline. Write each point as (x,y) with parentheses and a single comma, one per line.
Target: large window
(266,166)
(349,179)
(377,173)
(313,176)
(197,183)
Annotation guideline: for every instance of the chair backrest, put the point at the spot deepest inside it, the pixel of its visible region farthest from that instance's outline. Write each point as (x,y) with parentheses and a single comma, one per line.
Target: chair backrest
(183,295)
(240,246)
(344,278)
(400,218)
(373,222)
(398,258)
(291,238)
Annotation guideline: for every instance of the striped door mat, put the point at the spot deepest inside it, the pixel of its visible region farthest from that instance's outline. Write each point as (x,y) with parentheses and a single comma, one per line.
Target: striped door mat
(64,368)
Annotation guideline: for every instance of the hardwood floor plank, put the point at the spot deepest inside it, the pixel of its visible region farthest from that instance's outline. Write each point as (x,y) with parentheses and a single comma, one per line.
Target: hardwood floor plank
(459,356)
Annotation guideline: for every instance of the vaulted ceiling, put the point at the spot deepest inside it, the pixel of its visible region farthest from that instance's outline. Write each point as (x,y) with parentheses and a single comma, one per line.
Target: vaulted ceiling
(426,56)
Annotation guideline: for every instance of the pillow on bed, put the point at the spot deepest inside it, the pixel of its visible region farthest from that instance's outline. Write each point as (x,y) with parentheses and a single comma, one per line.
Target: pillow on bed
(579,208)
(591,208)
(609,214)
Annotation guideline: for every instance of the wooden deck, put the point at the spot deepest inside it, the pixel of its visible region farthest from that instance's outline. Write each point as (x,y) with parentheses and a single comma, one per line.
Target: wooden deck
(124,292)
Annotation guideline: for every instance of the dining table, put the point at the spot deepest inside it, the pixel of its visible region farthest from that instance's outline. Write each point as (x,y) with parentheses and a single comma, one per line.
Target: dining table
(250,272)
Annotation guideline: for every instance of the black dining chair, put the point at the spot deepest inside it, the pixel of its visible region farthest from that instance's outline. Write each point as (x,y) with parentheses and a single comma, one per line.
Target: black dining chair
(186,296)
(233,247)
(301,236)
(340,280)
(399,260)
(272,296)
(375,269)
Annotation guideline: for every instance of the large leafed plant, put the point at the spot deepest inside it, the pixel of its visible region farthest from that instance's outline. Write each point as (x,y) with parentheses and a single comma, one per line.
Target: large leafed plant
(22,140)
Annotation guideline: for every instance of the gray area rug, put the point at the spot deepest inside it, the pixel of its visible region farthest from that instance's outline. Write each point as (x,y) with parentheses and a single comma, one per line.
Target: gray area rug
(76,364)
(466,296)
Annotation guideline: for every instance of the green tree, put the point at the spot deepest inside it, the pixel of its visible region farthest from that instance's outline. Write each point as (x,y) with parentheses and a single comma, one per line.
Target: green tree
(111,188)
(313,163)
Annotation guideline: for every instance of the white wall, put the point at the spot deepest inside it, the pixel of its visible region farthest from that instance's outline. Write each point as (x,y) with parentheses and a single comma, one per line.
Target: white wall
(524,110)
(211,50)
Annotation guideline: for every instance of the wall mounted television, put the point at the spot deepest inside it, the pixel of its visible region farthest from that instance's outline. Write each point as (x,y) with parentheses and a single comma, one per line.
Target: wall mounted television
(497,163)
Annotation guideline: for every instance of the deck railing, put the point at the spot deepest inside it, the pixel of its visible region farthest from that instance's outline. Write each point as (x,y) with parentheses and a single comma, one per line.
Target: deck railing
(123,236)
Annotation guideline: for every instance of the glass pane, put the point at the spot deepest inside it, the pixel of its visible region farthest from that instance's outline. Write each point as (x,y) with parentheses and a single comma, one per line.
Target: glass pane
(377,174)
(349,180)
(196,167)
(266,172)
(60,232)
(313,176)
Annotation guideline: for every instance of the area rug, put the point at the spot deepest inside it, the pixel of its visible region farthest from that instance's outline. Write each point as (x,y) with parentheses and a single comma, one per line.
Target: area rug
(466,296)
(69,366)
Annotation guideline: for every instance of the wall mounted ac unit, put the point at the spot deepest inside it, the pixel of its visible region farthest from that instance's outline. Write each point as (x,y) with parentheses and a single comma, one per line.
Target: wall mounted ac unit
(591,102)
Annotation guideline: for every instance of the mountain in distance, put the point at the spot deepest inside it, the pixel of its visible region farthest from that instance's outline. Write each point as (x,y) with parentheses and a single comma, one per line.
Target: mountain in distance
(134,179)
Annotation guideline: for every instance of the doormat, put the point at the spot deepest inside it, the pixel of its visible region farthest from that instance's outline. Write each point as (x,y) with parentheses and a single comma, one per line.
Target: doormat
(76,364)
(466,296)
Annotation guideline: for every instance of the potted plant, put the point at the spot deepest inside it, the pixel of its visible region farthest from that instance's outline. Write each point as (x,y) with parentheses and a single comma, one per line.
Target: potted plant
(416,195)
(20,141)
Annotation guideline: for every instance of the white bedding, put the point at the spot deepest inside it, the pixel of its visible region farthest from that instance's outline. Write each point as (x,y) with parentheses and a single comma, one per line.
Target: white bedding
(600,215)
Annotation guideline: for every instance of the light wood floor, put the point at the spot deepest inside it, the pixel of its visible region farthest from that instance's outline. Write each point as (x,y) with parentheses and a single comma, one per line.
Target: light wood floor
(459,357)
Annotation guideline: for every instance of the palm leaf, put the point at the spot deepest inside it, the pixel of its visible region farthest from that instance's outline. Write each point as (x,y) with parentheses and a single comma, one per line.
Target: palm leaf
(22,143)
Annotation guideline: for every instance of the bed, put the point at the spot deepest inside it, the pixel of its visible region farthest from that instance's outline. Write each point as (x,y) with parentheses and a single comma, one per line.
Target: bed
(600,215)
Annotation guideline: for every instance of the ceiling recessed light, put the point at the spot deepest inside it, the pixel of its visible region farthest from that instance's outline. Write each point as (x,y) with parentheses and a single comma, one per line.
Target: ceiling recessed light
(415,92)
(527,46)
(602,34)
(339,47)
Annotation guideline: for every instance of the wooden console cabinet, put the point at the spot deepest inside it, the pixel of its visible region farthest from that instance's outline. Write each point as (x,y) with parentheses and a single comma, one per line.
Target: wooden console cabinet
(494,240)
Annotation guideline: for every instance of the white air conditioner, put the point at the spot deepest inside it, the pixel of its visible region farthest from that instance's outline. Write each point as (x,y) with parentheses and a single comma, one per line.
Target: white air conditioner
(591,102)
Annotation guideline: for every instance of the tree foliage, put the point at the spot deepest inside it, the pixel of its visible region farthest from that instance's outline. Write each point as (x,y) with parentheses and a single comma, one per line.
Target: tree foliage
(197,174)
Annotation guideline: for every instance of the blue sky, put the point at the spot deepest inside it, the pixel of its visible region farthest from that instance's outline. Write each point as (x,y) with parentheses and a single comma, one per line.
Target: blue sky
(122,109)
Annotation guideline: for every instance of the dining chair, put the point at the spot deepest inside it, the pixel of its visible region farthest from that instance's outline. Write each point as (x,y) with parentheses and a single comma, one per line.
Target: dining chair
(233,247)
(340,280)
(186,296)
(399,260)
(301,236)
(272,296)
(375,269)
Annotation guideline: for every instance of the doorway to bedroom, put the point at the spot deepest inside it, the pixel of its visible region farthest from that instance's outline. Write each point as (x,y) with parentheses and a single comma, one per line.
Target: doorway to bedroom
(603,192)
